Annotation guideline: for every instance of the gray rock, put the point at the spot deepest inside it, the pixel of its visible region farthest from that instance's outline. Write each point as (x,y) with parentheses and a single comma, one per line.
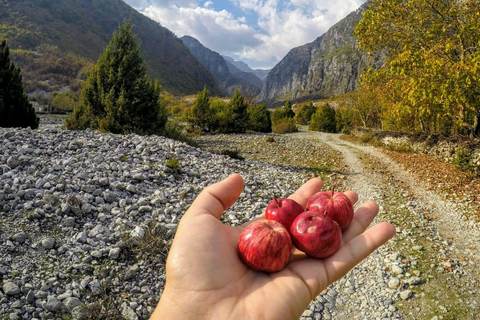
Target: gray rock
(81,237)
(30,298)
(396,269)
(128,313)
(144,209)
(48,243)
(393,283)
(10,288)
(69,222)
(131,188)
(13,162)
(20,237)
(109,196)
(95,287)
(65,208)
(406,294)
(53,304)
(72,302)
(114,253)
(138,232)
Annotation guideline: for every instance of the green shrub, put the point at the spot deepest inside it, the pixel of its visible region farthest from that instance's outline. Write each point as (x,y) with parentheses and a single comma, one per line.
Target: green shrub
(324,119)
(463,160)
(285,125)
(173,164)
(305,113)
(259,119)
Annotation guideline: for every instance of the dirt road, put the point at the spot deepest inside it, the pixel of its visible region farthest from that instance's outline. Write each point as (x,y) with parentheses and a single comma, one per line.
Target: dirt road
(431,231)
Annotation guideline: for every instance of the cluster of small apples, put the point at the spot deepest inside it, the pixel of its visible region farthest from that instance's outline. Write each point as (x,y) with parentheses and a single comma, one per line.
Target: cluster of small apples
(266,245)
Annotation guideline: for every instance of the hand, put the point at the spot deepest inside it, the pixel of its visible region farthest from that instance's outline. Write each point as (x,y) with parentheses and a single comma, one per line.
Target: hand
(207,280)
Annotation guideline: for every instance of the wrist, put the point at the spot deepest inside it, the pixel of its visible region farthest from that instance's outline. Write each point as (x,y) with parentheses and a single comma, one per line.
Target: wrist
(174,306)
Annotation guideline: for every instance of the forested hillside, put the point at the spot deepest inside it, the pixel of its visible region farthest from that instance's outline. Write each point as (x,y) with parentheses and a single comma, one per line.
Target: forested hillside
(54,40)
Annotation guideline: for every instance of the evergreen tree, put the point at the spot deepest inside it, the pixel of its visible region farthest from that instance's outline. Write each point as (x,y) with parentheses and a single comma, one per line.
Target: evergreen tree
(201,114)
(324,119)
(305,113)
(118,95)
(15,109)
(288,110)
(259,119)
(238,108)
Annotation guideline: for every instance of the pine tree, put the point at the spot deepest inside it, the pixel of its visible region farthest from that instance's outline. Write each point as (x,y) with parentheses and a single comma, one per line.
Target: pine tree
(118,95)
(324,119)
(259,119)
(288,110)
(238,108)
(15,109)
(201,113)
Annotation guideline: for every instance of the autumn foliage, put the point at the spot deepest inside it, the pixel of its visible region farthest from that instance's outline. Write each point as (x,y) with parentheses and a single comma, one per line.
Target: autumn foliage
(430,81)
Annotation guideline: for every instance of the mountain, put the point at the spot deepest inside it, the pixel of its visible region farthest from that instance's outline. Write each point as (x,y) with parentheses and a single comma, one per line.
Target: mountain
(77,31)
(228,81)
(243,67)
(326,67)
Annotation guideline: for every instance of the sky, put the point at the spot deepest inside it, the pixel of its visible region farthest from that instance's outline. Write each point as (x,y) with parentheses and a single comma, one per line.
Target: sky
(257,32)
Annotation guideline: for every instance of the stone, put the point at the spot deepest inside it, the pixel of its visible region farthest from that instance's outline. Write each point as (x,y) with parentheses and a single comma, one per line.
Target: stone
(95,287)
(128,313)
(11,288)
(69,222)
(53,304)
(20,237)
(48,243)
(393,283)
(114,253)
(406,294)
(144,209)
(72,302)
(131,188)
(13,162)
(138,232)
(81,237)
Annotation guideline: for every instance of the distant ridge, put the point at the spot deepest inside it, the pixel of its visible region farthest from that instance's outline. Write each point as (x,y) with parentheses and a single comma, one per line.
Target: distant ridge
(84,27)
(228,77)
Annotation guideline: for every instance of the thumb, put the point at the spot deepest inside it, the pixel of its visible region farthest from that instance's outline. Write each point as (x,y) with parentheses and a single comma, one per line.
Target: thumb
(217,198)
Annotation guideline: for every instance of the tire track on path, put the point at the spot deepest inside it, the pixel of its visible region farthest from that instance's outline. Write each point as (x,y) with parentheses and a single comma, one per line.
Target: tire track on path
(375,176)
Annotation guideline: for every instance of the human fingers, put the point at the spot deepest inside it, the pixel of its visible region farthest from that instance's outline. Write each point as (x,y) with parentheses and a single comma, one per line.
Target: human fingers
(362,218)
(217,198)
(354,251)
(317,274)
(307,190)
(352,195)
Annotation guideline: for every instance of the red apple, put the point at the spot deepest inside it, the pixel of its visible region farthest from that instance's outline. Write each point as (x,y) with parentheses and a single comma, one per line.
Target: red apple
(335,204)
(283,210)
(265,245)
(316,234)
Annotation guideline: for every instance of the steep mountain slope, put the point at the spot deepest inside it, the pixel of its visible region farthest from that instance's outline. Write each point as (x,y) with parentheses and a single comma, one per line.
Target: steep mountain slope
(240,66)
(328,66)
(216,64)
(83,28)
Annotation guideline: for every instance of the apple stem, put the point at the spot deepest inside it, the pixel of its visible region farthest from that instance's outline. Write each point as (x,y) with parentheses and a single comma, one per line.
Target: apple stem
(333,190)
(325,213)
(276,201)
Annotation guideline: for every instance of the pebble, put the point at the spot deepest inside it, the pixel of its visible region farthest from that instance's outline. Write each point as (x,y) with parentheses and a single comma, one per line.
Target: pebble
(10,288)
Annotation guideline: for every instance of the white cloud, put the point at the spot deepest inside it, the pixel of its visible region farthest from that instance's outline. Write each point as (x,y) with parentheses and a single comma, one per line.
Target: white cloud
(259,32)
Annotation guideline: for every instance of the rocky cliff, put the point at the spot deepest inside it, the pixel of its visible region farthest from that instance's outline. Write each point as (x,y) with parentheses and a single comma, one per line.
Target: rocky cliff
(220,69)
(326,67)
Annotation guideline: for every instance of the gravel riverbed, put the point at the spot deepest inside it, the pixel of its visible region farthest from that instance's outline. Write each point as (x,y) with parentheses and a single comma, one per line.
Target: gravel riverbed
(86,220)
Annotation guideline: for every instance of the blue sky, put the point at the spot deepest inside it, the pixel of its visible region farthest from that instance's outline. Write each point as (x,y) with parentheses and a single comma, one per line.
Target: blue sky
(258,32)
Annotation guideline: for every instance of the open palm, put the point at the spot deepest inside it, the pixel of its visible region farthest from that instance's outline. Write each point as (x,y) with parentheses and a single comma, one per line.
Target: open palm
(207,280)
